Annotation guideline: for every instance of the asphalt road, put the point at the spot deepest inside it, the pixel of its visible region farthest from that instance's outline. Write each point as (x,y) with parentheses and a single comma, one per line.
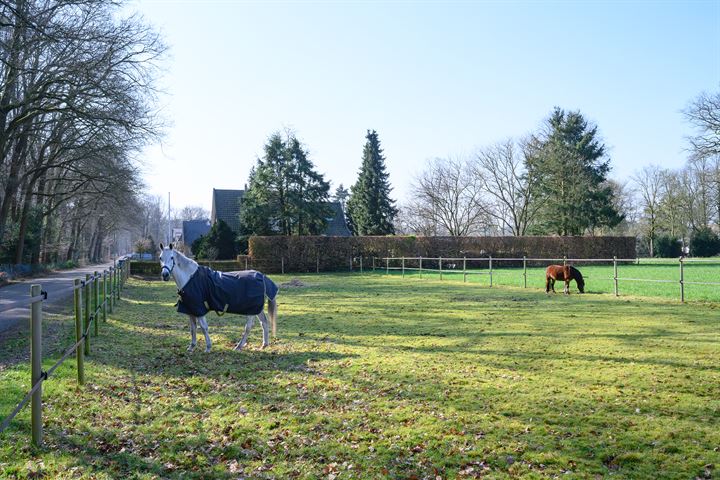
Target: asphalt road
(59,286)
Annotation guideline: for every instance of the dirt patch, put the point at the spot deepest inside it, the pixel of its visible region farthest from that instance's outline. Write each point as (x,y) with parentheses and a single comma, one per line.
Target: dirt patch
(294,283)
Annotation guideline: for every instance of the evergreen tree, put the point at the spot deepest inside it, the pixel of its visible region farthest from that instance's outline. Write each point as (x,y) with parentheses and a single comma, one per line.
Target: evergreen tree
(217,244)
(285,195)
(341,195)
(370,210)
(569,167)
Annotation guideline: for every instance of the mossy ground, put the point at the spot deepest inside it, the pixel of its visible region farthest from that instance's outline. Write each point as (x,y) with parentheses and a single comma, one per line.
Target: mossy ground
(381,377)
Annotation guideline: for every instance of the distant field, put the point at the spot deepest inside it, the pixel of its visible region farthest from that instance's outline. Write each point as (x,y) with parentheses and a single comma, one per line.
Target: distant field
(599,278)
(377,377)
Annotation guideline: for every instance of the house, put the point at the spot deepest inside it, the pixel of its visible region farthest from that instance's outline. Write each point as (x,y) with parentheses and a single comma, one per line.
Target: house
(194,229)
(226,206)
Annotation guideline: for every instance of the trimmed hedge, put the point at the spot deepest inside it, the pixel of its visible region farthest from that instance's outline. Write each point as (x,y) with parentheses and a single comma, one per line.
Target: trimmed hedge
(306,254)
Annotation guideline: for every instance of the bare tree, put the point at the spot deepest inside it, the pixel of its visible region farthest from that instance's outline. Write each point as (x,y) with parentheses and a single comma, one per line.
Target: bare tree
(193,212)
(704,114)
(499,170)
(649,182)
(446,195)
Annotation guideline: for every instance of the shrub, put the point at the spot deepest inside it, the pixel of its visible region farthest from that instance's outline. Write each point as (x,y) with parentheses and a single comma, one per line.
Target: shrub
(667,247)
(704,243)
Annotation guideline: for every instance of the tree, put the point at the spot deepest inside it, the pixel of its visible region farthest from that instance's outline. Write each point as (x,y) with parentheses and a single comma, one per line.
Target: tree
(704,243)
(370,209)
(193,212)
(649,181)
(341,195)
(285,195)
(217,244)
(499,170)
(447,196)
(568,168)
(704,114)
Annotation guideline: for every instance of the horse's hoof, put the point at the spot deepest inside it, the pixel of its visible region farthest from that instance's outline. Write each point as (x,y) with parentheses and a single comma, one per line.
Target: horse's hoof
(191,348)
(238,347)
(265,345)
(207,349)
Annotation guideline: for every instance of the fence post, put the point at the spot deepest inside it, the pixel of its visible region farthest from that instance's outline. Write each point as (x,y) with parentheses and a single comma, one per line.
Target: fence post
(373,263)
(420,267)
(317,263)
(440,262)
(524,271)
(36,364)
(682,281)
(79,351)
(387,265)
(361,267)
(104,295)
(490,264)
(86,312)
(246,263)
(351,260)
(464,269)
(403,267)
(282,265)
(615,278)
(564,260)
(96,295)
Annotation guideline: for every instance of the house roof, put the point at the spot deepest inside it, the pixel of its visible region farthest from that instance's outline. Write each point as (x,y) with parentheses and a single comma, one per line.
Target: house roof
(337,227)
(194,229)
(226,207)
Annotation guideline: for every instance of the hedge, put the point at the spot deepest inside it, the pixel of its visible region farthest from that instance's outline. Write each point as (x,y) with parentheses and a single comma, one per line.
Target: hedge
(153,268)
(310,253)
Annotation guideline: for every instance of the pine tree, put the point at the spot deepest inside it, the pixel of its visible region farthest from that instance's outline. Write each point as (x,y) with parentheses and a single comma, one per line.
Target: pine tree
(370,210)
(286,195)
(569,167)
(341,195)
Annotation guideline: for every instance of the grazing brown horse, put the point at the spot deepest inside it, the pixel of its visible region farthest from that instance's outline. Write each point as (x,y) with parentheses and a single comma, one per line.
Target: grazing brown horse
(564,273)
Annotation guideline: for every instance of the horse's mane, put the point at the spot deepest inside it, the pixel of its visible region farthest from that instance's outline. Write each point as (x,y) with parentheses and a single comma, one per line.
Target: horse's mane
(577,274)
(185,257)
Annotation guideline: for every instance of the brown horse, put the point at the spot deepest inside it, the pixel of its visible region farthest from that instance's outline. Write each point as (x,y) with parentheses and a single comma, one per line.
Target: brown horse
(564,273)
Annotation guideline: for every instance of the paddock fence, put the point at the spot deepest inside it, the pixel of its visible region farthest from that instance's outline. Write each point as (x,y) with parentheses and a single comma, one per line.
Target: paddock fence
(93,298)
(492,267)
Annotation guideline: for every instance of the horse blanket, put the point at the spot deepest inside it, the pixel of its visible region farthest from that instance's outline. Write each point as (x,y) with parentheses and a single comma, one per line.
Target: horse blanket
(235,292)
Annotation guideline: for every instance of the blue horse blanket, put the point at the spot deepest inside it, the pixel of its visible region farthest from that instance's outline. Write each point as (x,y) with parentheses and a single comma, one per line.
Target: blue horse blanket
(235,292)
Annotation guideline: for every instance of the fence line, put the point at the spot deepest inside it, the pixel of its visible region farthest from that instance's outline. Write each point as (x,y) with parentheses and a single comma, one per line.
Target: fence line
(490,259)
(82,289)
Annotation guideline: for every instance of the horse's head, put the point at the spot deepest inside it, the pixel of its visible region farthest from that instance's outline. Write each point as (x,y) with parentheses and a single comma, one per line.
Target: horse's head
(579,280)
(167,261)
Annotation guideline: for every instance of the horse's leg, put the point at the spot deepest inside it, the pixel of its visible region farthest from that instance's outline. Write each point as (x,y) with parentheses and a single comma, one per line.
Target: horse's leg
(552,284)
(566,291)
(193,335)
(547,284)
(265,328)
(248,325)
(205,329)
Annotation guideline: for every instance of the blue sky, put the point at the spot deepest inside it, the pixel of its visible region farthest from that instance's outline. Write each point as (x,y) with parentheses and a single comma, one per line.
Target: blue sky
(434,79)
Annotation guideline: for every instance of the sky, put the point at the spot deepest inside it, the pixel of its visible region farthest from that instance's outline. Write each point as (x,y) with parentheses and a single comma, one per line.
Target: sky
(435,79)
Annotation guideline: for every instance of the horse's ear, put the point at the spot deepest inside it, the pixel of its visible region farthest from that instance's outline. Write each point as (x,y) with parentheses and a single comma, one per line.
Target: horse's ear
(161,246)
(170,246)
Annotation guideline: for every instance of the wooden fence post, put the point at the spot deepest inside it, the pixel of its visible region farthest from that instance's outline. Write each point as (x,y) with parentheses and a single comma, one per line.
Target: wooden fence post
(96,294)
(524,271)
(490,268)
(373,263)
(682,281)
(420,267)
(246,263)
(86,312)
(464,270)
(615,277)
(317,263)
(361,266)
(282,265)
(104,295)
(387,265)
(440,263)
(80,351)
(403,267)
(564,260)
(36,365)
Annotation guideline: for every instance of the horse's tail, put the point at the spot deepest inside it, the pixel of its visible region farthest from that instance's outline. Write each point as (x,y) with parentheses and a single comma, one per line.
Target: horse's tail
(272,312)
(271,291)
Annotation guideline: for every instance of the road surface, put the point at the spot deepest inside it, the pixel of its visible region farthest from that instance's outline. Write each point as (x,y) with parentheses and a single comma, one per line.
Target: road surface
(59,286)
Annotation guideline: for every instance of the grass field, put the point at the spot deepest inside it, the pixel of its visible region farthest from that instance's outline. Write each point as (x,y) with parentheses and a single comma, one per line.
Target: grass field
(633,279)
(381,377)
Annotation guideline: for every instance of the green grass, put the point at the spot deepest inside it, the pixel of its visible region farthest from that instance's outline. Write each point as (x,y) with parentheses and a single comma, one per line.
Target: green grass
(378,377)
(599,278)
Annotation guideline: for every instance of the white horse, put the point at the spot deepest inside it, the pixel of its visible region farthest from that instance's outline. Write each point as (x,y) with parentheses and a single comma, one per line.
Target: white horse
(186,272)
